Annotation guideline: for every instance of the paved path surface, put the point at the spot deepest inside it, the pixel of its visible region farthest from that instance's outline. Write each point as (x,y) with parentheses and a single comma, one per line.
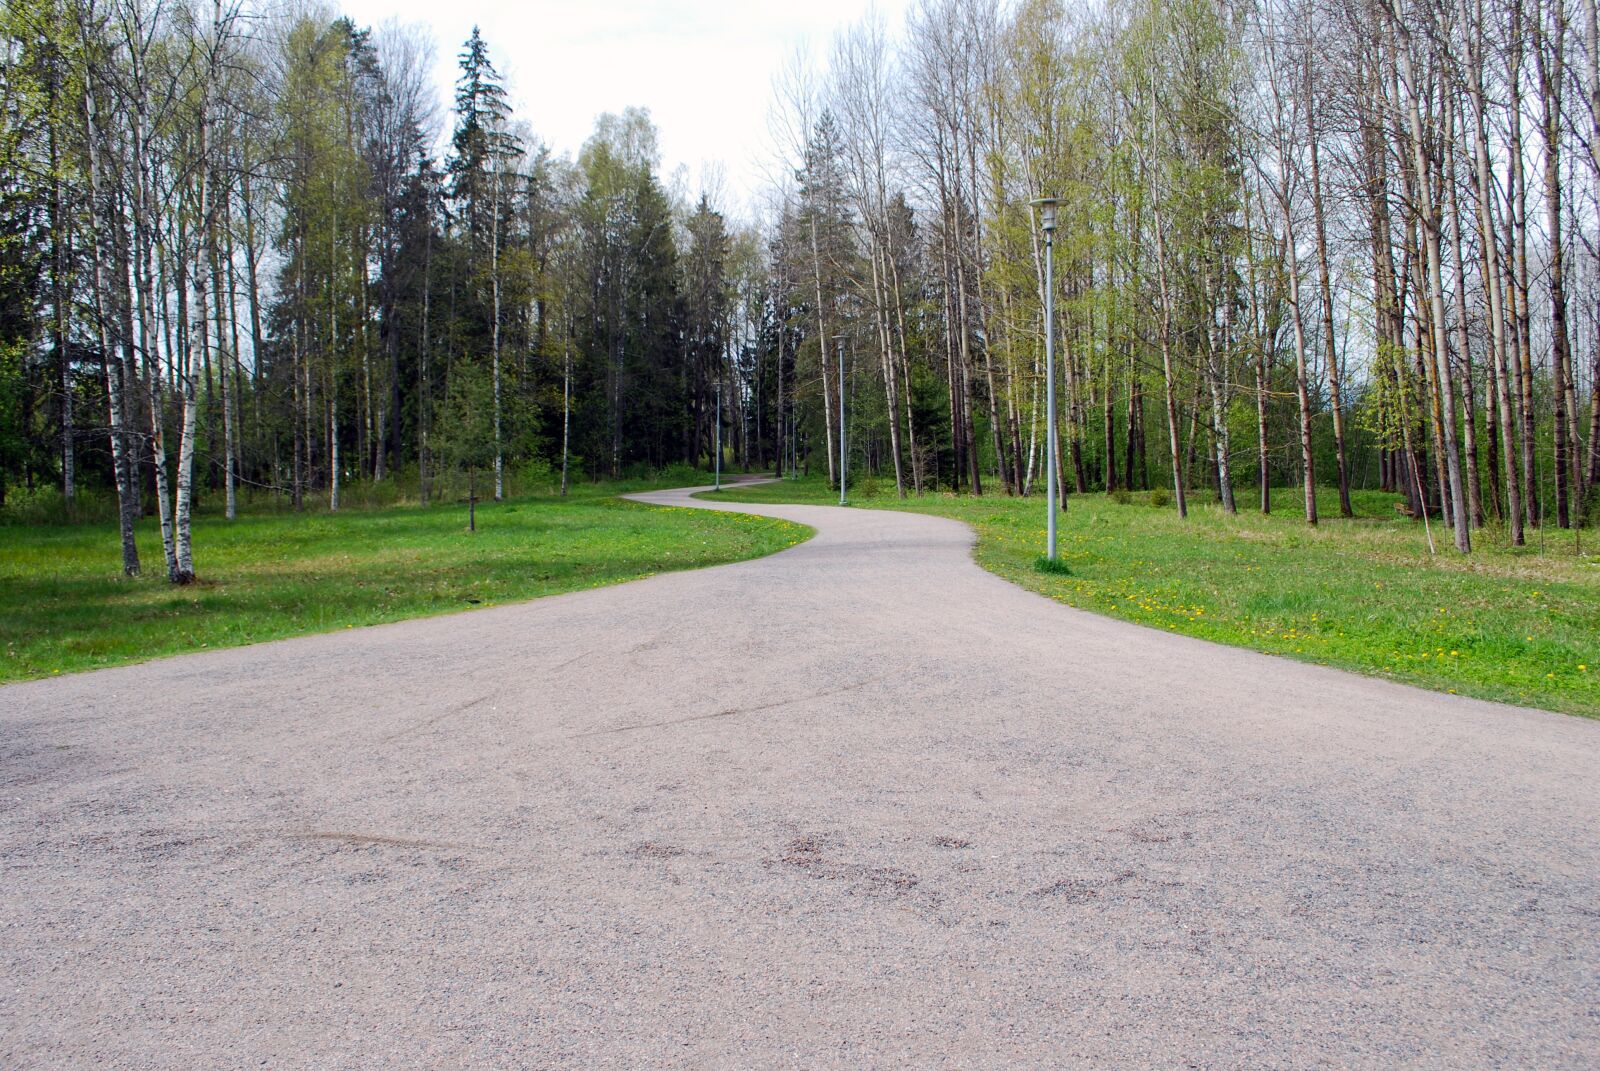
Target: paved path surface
(857,805)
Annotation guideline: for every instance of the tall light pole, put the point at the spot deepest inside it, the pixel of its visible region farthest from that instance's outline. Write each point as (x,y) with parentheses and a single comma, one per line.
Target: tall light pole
(719,433)
(1047,223)
(839,341)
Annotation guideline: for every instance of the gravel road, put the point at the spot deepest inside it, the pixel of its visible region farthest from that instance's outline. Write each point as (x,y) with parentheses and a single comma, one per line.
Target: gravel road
(856,805)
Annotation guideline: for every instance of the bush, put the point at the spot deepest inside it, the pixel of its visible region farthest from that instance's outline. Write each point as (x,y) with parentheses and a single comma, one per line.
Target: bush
(45,505)
(535,476)
(1051,566)
(679,474)
(1159,498)
(1122,496)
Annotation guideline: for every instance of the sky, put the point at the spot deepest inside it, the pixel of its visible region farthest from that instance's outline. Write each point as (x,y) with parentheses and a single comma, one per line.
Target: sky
(704,68)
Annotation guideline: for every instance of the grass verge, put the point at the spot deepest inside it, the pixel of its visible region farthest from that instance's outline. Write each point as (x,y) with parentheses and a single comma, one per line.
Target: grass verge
(64,605)
(1515,625)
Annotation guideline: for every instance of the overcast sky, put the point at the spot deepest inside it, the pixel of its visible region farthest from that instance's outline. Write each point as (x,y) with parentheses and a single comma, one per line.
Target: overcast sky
(704,68)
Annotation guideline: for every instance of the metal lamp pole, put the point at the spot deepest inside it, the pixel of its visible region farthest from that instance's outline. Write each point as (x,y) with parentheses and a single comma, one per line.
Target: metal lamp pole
(719,435)
(1047,223)
(839,340)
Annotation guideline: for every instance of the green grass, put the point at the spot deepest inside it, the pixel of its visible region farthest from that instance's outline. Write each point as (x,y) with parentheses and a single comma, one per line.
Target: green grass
(64,605)
(1520,626)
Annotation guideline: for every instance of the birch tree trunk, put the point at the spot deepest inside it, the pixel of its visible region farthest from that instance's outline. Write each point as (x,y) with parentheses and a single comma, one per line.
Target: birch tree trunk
(224,358)
(1548,68)
(905,368)
(1324,280)
(1220,374)
(147,228)
(1469,424)
(822,350)
(122,462)
(887,360)
(1308,466)
(1489,255)
(1428,211)
(1517,266)
(1165,336)
(1592,25)
(1263,377)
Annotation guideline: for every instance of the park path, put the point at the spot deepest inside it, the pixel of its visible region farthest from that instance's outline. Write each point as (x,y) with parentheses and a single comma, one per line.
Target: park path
(856,805)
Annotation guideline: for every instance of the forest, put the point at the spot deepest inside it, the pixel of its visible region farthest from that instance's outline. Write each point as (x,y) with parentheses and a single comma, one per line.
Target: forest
(1305,248)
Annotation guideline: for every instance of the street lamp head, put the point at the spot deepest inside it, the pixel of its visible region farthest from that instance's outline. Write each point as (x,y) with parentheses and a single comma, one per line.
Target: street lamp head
(1047,212)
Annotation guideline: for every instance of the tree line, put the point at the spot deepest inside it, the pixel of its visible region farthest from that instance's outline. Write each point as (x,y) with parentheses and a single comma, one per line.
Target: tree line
(232,261)
(1320,244)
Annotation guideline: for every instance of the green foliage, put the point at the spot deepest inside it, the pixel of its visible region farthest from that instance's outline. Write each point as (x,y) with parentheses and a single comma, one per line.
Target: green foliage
(45,504)
(631,310)
(1391,397)
(537,474)
(12,441)
(1159,497)
(464,437)
(679,474)
(480,145)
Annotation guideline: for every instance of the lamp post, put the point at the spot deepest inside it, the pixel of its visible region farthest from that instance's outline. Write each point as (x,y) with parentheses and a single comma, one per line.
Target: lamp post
(839,342)
(718,389)
(1047,223)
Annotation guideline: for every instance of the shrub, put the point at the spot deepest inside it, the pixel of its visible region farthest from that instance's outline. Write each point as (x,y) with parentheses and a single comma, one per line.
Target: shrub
(536,476)
(1051,566)
(681,474)
(44,504)
(1159,498)
(1122,496)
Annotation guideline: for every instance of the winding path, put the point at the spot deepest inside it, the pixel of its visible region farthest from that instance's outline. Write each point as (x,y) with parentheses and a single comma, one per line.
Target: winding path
(856,805)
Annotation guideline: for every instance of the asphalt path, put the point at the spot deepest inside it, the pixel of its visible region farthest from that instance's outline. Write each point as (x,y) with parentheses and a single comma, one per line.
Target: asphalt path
(856,805)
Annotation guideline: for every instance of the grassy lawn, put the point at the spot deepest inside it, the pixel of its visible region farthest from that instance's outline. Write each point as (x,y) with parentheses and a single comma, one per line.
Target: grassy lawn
(1363,594)
(65,606)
